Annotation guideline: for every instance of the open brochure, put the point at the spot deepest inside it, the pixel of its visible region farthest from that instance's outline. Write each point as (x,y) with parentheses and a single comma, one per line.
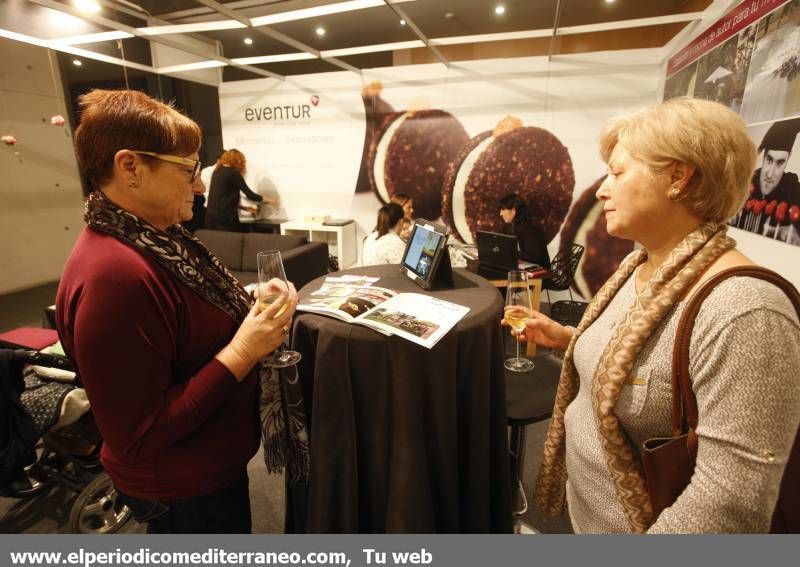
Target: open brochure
(419,318)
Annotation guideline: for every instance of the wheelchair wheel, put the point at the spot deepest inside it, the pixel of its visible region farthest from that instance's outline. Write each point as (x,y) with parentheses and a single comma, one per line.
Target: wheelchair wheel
(97,510)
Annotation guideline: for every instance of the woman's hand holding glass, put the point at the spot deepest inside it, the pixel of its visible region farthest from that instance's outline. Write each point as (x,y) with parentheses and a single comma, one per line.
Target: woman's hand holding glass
(517,310)
(262,330)
(268,293)
(543,331)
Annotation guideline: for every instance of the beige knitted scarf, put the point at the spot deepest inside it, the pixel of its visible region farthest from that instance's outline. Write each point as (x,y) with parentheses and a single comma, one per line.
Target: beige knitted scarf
(671,280)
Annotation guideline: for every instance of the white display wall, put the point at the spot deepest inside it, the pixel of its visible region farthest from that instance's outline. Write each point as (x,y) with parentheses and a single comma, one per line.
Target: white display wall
(303,137)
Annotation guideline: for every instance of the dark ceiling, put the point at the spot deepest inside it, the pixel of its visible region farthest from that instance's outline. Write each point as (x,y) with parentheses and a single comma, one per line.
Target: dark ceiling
(377,25)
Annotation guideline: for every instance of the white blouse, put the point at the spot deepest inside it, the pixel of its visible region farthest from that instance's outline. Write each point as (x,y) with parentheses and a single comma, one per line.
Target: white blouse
(388,249)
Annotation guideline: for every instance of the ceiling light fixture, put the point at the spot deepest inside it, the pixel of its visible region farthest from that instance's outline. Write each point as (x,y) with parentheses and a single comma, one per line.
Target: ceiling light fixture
(279,58)
(77,62)
(402,22)
(88,6)
(218,25)
(413,44)
(320,31)
(192,28)
(191,67)
(85,53)
(248,41)
(569,30)
(318,11)
(92,38)
(499,9)
(609,1)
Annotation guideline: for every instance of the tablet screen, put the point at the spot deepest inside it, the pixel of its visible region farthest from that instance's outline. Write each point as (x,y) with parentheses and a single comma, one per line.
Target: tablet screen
(422,248)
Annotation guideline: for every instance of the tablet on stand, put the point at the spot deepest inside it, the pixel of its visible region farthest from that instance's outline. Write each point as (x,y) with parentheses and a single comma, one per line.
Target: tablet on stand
(426,260)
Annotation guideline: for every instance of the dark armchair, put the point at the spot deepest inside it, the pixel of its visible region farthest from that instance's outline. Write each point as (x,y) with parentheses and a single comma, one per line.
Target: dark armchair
(302,260)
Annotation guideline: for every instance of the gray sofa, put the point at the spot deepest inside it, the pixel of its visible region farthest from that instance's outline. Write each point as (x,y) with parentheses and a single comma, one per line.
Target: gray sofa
(302,260)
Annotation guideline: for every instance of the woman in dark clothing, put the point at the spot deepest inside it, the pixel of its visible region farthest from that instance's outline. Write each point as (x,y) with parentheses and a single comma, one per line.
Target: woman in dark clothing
(223,197)
(531,241)
(198,219)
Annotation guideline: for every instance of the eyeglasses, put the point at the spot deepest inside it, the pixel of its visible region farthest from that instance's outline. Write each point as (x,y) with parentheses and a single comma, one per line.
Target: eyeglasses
(193,163)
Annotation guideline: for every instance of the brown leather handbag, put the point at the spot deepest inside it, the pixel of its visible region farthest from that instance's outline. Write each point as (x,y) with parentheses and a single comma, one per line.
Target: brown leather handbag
(668,462)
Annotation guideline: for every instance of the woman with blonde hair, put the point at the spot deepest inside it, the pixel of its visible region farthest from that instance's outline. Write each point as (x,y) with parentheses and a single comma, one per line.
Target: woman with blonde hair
(227,182)
(677,171)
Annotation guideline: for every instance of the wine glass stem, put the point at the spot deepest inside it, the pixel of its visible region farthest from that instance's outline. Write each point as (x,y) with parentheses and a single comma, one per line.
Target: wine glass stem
(517,340)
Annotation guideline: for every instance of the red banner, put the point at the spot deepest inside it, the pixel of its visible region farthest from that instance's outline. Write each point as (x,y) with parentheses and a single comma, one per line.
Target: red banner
(734,21)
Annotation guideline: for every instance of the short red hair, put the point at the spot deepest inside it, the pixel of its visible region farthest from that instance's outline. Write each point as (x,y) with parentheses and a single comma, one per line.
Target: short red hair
(128,120)
(232,158)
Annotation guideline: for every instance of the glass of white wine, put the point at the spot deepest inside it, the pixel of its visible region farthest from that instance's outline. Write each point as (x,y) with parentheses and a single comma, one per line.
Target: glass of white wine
(517,310)
(271,283)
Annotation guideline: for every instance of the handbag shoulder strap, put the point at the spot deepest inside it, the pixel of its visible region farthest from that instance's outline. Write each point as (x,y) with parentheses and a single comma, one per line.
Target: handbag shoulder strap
(684,403)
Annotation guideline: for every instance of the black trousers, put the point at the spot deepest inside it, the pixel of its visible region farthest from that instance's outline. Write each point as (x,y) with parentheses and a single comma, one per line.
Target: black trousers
(226,511)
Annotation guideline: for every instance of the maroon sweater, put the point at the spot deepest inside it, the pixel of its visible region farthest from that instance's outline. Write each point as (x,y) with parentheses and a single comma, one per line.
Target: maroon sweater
(174,420)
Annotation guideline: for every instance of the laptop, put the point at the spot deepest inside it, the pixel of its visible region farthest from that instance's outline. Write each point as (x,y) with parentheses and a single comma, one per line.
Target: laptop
(497,255)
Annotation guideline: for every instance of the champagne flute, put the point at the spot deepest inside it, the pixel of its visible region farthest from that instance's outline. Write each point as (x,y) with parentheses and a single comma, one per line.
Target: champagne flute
(517,310)
(271,283)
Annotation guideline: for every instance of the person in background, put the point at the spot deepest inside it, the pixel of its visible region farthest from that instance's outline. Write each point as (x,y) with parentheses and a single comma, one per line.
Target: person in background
(198,219)
(531,241)
(166,341)
(227,183)
(384,245)
(673,196)
(207,172)
(407,222)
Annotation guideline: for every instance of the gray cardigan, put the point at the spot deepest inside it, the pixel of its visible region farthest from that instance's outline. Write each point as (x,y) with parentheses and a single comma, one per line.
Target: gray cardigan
(744,360)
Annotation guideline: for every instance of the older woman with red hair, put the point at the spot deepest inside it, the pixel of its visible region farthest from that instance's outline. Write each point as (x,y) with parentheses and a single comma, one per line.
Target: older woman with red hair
(164,338)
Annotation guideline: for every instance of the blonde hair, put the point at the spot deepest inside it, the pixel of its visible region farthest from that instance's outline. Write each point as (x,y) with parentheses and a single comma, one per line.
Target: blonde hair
(706,135)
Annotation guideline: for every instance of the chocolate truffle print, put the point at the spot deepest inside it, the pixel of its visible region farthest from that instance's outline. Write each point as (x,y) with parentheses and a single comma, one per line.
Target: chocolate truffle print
(375,110)
(603,253)
(512,158)
(410,153)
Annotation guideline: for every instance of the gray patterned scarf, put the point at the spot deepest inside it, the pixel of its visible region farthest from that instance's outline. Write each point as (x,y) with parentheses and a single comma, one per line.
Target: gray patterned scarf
(191,263)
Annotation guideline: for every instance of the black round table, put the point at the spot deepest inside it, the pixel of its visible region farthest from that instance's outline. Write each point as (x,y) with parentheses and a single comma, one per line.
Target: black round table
(404,438)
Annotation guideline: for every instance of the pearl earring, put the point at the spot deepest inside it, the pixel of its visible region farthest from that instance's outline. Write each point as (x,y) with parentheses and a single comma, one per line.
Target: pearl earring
(674,194)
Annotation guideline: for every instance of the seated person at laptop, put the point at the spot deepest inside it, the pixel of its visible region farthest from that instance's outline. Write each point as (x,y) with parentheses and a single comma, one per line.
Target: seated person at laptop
(532,244)
(384,245)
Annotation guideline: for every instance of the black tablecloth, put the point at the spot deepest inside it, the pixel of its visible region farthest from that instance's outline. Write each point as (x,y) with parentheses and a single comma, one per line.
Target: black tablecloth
(404,439)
